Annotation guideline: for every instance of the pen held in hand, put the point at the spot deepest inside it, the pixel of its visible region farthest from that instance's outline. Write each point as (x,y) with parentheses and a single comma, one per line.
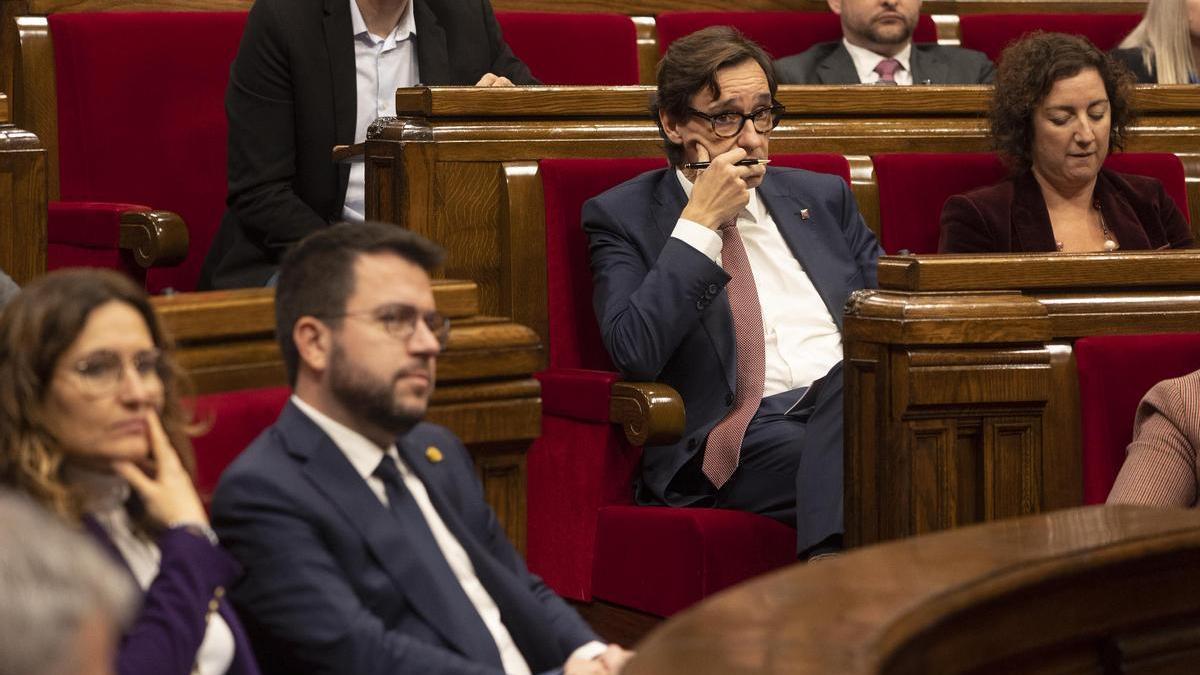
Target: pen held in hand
(749,161)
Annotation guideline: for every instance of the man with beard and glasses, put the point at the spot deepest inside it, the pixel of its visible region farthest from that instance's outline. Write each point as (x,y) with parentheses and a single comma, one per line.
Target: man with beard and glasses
(877,48)
(367,545)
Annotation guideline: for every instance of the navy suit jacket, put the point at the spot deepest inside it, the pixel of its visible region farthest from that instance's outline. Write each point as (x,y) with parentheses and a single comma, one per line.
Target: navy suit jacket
(167,633)
(334,584)
(830,63)
(662,307)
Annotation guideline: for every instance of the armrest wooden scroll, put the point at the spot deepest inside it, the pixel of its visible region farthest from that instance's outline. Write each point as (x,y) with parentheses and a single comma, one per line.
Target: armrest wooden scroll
(156,238)
(651,413)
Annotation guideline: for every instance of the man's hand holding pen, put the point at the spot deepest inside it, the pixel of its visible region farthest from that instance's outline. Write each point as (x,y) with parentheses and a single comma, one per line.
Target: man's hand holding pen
(720,191)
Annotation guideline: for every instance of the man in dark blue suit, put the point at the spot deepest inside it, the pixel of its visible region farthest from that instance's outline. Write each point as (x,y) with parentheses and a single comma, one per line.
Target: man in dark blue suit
(367,544)
(727,281)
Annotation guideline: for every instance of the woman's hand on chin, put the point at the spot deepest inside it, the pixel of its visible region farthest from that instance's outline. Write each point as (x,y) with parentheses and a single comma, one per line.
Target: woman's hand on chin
(167,492)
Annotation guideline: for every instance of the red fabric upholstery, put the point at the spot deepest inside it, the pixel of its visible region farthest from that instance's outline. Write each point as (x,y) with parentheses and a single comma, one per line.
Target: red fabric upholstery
(1115,372)
(85,234)
(141,117)
(913,187)
(237,418)
(584,534)
(574,48)
(662,560)
(991,33)
(780,33)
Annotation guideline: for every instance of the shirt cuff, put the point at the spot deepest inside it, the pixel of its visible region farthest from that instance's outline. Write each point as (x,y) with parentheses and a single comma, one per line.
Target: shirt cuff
(698,237)
(592,649)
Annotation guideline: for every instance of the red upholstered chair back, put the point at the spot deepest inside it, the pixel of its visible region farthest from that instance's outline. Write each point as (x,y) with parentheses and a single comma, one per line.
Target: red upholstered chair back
(568,183)
(1115,372)
(913,187)
(574,48)
(237,418)
(991,33)
(780,33)
(141,116)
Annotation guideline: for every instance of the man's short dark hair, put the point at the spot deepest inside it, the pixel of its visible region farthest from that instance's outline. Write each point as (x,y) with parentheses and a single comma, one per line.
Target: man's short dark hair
(690,66)
(317,275)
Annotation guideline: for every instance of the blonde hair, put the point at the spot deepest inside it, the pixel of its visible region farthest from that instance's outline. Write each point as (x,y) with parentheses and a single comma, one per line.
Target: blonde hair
(36,328)
(1165,41)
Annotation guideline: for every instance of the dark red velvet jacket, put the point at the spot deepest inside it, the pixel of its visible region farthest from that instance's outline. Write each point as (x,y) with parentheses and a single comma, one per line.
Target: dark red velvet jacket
(1011,216)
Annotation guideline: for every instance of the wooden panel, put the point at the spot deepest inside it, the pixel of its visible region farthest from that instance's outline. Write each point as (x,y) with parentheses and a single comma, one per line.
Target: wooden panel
(1091,590)
(22,203)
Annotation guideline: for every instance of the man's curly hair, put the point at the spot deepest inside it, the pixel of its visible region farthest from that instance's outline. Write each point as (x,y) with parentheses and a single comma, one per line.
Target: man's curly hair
(1028,70)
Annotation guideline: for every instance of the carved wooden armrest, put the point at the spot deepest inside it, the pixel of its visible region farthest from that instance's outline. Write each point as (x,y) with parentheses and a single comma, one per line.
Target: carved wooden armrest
(156,238)
(650,413)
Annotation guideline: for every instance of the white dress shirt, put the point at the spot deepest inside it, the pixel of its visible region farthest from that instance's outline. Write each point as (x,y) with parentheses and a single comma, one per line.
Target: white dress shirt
(104,500)
(365,456)
(865,61)
(382,65)
(801,339)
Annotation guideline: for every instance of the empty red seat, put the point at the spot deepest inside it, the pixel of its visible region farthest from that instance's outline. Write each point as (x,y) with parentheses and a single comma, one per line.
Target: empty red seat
(574,48)
(236,419)
(586,537)
(1115,372)
(991,33)
(780,33)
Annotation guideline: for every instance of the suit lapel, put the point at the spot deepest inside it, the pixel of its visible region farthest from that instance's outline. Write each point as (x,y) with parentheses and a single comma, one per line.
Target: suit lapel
(433,57)
(340,47)
(669,200)
(837,68)
(928,66)
(1119,215)
(805,244)
(415,570)
(1030,219)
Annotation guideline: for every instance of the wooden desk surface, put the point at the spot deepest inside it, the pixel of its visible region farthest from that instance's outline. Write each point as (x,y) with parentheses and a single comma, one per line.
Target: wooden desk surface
(1066,585)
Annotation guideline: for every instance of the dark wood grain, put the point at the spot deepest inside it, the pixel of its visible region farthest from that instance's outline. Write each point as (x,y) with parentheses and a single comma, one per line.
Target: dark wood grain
(22,202)
(1101,589)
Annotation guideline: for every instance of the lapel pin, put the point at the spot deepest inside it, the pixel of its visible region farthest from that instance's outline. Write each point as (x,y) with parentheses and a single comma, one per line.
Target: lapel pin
(433,454)
(803,214)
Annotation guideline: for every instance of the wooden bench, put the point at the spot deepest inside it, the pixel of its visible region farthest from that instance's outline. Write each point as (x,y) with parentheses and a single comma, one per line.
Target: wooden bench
(22,199)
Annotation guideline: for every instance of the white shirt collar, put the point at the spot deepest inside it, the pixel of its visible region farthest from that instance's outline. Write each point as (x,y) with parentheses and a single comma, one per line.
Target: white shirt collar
(753,209)
(364,455)
(405,28)
(865,60)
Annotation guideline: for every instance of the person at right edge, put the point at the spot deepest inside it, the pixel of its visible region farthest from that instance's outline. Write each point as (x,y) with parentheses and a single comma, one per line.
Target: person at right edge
(728,284)
(1060,106)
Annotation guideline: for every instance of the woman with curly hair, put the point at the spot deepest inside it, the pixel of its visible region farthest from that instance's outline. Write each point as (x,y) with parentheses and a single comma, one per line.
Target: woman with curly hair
(92,427)
(1059,107)
(1165,46)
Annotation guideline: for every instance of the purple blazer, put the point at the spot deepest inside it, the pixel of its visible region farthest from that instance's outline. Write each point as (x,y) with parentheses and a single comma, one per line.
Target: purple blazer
(1011,216)
(167,633)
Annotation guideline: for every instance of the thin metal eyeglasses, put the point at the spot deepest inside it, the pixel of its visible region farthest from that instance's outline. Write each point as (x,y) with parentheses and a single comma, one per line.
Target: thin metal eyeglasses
(400,321)
(101,371)
(729,124)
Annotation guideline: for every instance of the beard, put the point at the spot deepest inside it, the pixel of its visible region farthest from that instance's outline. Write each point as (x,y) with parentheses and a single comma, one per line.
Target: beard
(371,398)
(889,33)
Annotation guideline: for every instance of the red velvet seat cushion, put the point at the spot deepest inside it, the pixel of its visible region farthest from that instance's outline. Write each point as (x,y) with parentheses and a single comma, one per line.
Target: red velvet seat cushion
(913,187)
(991,33)
(141,116)
(85,234)
(1115,372)
(661,560)
(574,48)
(779,33)
(237,418)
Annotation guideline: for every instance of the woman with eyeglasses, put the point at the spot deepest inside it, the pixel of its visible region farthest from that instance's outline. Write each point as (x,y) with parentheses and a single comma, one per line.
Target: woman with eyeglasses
(92,427)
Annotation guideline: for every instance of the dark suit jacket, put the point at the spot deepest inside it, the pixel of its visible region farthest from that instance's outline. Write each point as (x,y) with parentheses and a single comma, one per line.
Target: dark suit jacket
(334,583)
(662,306)
(1011,216)
(292,97)
(1132,58)
(830,63)
(171,624)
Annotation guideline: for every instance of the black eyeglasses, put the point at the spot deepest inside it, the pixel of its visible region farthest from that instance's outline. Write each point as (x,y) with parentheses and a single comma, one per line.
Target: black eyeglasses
(400,321)
(729,124)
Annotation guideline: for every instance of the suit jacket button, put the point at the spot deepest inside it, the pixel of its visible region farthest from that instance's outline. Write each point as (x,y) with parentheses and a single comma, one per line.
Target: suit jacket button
(700,304)
(728,399)
(712,290)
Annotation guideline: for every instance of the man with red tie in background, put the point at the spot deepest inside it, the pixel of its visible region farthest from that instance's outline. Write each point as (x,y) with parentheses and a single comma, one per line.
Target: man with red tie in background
(726,280)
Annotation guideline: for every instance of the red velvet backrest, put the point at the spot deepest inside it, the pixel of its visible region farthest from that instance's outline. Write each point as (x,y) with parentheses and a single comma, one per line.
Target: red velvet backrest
(141,116)
(574,48)
(568,183)
(1115,372)
(913,187)
(237,418)
(991,33)
(780,33)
